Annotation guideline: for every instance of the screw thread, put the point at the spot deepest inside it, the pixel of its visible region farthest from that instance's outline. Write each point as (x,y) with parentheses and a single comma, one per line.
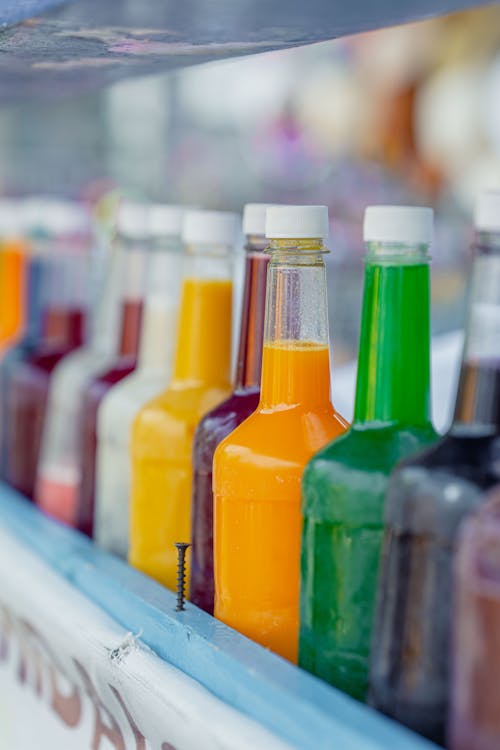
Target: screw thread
(181,574)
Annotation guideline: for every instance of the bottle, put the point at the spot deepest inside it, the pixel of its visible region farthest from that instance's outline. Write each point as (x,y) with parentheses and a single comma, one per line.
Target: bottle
(344,485)
(134,238)
(222,420)
(258,467)
(475,691)
(428,497)
(13,260)
(122,403)
(59,470)
(28,372)
(162,433)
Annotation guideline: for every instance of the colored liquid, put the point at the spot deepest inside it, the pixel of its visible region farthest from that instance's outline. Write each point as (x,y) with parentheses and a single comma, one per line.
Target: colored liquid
(344,486)
(26,391)
(116,415)
(217,425)
(428,499)
(220,422)
(69,491)
(257,475)
(94,394)
(475,696)
(162,434)
(12,298)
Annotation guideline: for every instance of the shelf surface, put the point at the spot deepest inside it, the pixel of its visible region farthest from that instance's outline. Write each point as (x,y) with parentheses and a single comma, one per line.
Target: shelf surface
(296,707)
(61,47)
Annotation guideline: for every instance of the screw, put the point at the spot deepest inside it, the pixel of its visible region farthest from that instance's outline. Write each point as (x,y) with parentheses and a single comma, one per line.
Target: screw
(181,574)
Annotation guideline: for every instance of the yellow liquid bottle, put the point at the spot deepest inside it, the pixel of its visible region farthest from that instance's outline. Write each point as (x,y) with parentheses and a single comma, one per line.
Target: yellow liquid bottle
(258,467)
(162,433)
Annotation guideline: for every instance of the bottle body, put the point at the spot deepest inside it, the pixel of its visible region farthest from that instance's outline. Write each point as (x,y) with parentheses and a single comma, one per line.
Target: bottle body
(59,470)
(344,486)
(427,500)
(220,422)
(473,720)
(258,468)
(122,403)
(163,430)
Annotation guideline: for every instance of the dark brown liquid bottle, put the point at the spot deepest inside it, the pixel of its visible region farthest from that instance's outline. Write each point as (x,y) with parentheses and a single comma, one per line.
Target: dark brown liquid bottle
(428,498)
(222,420)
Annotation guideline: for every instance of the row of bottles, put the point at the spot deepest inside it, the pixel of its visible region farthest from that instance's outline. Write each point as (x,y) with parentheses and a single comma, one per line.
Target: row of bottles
(303,536)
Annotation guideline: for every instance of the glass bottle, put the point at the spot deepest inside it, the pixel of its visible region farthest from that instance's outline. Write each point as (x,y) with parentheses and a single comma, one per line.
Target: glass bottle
(258,467)
(27,370)
(474,720)
(13,262)
(59,471)
(222,420)
(344,485)
(428,497)
(122,403)
(134,238)
(162,433)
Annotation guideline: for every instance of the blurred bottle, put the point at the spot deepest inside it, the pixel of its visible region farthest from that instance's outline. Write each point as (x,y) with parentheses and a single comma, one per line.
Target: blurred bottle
(162,434)
(475,694)
(222,420)
(258,467)
(57,296)
(428,496)
(134,240)
(14,249)
(344,485)
(120,406)
(59,470)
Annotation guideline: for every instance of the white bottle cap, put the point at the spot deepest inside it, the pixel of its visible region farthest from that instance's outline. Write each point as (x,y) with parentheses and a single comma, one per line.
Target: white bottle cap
(254,218)
(132,220)
(296,222)
(165,219)
(210,227)
(412,225)
(487,212)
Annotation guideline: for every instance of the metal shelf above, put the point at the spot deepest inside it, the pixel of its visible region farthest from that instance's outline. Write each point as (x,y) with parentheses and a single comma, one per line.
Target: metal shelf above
(60,47)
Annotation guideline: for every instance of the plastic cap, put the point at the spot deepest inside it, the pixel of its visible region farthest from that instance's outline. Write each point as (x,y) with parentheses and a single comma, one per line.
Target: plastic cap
(296,222)
(487,212)
(210,227)
(132,220)
(407,224)
(165,220)
(254,218)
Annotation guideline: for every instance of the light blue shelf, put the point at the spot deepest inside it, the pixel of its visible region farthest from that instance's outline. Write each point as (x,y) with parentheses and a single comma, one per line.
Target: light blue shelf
(60,47)
(297,707)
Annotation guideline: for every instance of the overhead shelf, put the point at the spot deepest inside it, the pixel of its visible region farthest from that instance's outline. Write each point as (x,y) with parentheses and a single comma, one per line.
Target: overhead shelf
(53,48)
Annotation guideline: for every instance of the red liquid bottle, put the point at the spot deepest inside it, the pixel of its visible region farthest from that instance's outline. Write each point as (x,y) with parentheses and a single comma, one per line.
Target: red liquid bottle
(27,383)
(222,420)
(133,232)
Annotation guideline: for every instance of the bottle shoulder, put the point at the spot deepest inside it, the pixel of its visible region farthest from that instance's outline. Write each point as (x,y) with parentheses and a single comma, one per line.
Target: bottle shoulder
(372,447)
(434,492)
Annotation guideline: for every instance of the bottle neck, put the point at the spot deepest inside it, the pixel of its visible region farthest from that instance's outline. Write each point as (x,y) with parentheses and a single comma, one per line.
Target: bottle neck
(393,381)
(203,345)
(133,279)
(249,363)
(160,307)
(295,363)
(478,397)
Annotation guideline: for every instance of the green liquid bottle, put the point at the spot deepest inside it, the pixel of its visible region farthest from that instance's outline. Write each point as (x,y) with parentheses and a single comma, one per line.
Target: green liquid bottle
(344,485)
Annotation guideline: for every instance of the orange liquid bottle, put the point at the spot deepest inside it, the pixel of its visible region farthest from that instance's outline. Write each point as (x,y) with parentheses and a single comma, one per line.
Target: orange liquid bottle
(258,468)
(163,431)
(12,269)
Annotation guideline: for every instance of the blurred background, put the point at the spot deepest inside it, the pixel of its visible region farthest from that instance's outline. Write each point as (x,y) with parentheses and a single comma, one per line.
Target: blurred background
(407,114)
